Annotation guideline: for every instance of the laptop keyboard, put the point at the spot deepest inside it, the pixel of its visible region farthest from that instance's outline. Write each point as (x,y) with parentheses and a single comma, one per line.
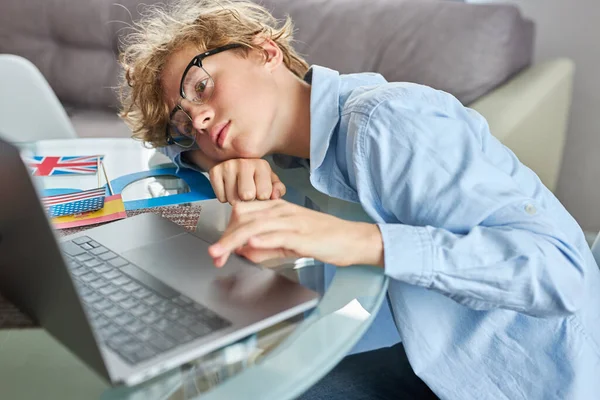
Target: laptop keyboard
(132,312)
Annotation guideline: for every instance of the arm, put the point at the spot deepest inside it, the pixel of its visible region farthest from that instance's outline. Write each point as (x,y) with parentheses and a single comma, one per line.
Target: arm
(456,223)
(192,158)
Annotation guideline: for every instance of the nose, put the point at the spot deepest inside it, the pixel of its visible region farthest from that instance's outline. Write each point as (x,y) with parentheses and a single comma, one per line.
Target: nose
(202,116)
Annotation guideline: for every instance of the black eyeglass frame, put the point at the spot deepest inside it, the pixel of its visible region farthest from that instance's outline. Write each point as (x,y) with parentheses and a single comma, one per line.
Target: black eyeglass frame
(196,62)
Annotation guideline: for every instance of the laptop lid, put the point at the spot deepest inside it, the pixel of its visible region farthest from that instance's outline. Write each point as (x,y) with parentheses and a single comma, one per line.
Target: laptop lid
(33,274)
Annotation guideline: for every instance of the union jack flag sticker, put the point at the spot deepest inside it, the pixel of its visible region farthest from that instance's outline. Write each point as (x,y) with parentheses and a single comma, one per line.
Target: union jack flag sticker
(68,165)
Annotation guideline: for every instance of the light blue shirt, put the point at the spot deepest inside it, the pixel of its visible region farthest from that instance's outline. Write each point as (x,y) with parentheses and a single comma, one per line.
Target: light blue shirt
(494,290)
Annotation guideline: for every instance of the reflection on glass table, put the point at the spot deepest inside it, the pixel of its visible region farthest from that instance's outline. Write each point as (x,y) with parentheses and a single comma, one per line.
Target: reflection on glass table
(153,187)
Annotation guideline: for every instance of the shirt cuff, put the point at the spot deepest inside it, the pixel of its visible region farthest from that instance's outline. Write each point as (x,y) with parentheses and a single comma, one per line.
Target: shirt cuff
(407,253)
(181,162)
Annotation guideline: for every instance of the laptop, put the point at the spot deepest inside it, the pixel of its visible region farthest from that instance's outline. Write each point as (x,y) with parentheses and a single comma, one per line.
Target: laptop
(131,298)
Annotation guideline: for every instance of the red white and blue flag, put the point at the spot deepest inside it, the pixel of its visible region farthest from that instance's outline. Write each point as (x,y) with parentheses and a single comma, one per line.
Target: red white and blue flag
(69,165)
(74,203)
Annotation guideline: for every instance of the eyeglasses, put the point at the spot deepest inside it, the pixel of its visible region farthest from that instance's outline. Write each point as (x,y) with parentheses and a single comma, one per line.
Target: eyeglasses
(196,86)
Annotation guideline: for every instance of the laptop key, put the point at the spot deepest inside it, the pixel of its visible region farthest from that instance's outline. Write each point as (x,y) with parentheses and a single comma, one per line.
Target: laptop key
(162,324)
(200,329)
(142,293)
(112,274)
(144,353)
(118,262)
(108,331)
(139,310)
(84,257)
(162,343)
(108,290)
(99,250)
(113,312)
(90,276)
(79,271)
(119,338)
(131,287)
(179,334)
(107,256)
(71,248)
(98,283)
(124,319)
(100,322)
(92,298)
(102,268)
(151,317)
(82,240)
(102,305)
(152,300)
(147,334)
(135,327)
(123,280)
(86,246)
(92,263)
(118,296)
(129,303)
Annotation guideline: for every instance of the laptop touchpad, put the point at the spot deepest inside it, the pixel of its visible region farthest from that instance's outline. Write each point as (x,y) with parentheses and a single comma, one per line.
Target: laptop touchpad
(183,262)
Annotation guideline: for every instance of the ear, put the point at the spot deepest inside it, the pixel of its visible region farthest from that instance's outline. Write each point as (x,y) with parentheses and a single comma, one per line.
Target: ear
(274,55)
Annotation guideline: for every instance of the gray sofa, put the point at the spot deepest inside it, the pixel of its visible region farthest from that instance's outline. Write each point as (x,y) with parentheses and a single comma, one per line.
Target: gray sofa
(480,53)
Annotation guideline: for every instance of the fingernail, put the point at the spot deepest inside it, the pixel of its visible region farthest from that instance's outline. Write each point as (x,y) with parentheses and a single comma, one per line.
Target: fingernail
(215,249)
(276,194)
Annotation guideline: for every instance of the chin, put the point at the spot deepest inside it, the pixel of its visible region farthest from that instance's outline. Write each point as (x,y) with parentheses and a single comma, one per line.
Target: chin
(249,150)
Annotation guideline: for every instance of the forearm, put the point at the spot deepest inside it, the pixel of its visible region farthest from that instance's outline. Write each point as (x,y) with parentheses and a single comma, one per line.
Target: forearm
(488,267)
(198,158)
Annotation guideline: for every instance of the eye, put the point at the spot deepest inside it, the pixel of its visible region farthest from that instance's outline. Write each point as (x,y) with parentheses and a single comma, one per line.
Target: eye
(201,87)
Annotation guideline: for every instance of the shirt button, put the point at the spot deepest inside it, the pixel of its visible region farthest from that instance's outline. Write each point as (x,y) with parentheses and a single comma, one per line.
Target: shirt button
(530,209)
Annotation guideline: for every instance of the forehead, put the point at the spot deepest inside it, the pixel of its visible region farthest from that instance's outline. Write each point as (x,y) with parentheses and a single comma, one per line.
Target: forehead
(170,77)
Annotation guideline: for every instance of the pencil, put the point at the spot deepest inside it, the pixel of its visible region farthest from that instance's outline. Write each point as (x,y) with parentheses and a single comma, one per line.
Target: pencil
(110,189)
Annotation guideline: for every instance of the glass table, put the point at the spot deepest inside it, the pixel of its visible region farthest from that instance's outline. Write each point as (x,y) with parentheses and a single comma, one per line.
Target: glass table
(286,359)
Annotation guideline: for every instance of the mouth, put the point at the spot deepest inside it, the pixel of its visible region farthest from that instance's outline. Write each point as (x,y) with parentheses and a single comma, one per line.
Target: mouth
(218,134)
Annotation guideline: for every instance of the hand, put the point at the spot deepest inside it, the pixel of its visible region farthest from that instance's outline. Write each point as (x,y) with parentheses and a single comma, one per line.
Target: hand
(273,229)
(242,179)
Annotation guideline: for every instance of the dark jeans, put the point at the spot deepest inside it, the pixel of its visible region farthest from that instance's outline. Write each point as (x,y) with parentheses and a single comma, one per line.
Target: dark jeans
(382,374)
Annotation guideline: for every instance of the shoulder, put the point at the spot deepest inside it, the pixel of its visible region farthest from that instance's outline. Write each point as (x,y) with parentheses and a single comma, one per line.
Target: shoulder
(395,97)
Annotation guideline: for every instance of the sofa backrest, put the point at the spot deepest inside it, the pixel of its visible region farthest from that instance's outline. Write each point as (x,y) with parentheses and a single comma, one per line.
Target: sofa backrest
(465,49)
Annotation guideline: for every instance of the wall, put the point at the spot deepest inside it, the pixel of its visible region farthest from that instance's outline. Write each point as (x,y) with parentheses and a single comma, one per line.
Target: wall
(572,29)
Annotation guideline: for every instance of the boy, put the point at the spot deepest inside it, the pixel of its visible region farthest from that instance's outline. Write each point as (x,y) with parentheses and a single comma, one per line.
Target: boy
(493,288)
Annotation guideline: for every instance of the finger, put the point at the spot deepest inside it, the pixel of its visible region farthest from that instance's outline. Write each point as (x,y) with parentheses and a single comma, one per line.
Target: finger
(220,261)
(289,242)
(240,236)
(247,208)
(231,187)
(262,181)
(216,180)
(261,255)
(245,181)
(279,188)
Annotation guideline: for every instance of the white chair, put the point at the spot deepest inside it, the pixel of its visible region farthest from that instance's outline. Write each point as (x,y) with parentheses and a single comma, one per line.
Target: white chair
(596,249)
(29,109)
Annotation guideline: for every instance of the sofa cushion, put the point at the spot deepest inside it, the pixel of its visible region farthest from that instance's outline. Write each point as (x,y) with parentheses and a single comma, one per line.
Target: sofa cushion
(464,49)
(73,44)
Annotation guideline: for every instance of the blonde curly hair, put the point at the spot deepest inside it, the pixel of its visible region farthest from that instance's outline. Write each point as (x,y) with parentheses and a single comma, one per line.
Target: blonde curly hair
(205,24)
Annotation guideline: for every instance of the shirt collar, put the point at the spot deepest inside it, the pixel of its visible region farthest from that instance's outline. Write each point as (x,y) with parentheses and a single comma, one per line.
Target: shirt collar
(324,111)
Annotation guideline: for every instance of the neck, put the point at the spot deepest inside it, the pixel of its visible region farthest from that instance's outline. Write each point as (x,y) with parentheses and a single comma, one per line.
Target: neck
(294,116)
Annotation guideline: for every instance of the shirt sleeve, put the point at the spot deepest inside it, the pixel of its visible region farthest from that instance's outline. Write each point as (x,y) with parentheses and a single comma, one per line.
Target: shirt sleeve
(454,222)
(177,155)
